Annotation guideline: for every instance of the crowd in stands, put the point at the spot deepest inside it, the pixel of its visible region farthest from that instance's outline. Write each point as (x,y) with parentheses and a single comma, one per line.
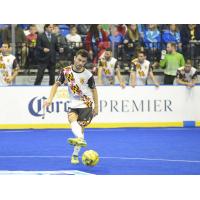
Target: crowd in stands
(125,41)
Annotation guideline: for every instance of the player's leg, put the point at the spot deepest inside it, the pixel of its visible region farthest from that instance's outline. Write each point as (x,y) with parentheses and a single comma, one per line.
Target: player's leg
(74,159)
(77,131)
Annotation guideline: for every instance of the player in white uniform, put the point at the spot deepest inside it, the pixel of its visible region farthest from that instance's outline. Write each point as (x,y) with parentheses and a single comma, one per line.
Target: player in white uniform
(107,68)
(9,67)
(83,94)
(186,75)
(141,70)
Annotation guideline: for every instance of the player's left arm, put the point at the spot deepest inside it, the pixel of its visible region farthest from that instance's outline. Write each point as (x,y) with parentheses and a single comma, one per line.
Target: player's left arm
(95,98)
(15,71)
(118,73)
(92,86)
(194,79)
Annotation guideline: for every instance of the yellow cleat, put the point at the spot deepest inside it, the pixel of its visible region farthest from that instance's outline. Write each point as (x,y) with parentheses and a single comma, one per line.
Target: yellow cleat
(74,160)
(77,142)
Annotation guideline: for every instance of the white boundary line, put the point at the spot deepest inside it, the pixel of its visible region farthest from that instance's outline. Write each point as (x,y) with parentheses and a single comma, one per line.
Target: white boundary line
(53,172)
(119,158)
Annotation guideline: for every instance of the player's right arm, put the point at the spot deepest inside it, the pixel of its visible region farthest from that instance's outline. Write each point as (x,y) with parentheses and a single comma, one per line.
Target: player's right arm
(54,88)
(60,80)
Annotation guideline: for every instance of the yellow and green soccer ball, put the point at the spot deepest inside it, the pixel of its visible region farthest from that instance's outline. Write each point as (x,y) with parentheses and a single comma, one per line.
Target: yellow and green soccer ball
(90,158)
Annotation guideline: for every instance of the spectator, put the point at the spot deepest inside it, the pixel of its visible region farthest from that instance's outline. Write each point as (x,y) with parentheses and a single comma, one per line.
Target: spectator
(116,39)
(172,35)
(73,37)
(74,42)
(115,36)
(96,42)
(187,75)
(9,67)
(64,29)
(190,34)
(152,39)
(141,71)
(31,41)
(122,28)
(62,42)
(141,29)
(171,62)
(106,27)
(132,41)
(20,40)
(60,38)
(107,67)
(46,47)
(83,29)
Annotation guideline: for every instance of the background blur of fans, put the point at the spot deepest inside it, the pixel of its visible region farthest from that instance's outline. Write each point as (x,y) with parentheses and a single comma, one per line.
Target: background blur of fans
(125,40)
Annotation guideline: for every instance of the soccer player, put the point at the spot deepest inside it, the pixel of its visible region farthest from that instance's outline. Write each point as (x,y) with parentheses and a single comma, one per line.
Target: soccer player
(186,75)
(141,70)
(107,67)
(82,94)
(9,67)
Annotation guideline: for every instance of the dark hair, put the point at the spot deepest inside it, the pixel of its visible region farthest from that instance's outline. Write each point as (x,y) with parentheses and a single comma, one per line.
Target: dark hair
(31,25)
(141,52)
(7,43)
(82,52)
(108,49)
(72,26)
(188,62)
(46,26)
(94,31)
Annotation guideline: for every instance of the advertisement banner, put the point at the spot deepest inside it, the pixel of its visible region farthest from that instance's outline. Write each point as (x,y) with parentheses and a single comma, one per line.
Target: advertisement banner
(21,107)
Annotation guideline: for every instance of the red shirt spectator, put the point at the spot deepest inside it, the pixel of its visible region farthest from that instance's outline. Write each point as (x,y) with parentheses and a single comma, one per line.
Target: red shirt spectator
(96,41)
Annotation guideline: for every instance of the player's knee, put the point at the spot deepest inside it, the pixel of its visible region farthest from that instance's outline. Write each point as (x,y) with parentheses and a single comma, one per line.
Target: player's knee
(72,117)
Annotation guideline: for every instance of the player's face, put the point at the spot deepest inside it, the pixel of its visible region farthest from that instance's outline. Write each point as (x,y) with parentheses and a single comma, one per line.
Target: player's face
(169,48)
(4,48)
(79,61)
(141,57)
(108,55)
(187,68)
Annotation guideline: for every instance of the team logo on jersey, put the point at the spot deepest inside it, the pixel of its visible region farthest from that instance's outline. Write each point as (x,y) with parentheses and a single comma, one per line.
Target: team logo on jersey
(82,80)
(75,88)
(138,66)
(2,66)
(106,71)
(70,77)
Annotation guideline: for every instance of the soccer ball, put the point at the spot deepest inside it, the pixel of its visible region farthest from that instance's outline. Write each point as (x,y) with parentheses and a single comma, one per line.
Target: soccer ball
(90,158)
